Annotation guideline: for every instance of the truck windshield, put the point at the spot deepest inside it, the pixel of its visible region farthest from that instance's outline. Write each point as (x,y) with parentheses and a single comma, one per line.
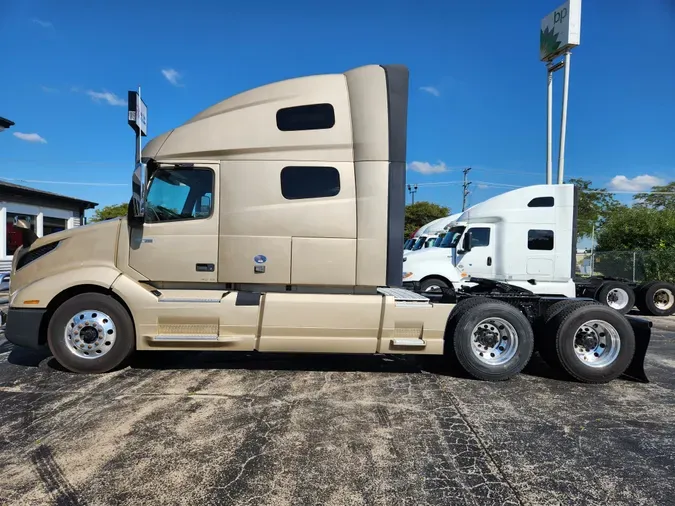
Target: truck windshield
(439,240)
(452,237)
(419,243)
(179,194)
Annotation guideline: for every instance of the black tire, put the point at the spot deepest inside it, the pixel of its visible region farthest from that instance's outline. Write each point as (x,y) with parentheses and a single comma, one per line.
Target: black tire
(481,311)
(564,327)
(610,290)
(109,345)
(545,342)
(647,303)
(432,282)
(640,296)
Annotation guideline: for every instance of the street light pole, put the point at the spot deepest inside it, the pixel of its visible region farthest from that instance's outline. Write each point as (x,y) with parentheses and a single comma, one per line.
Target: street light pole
(412,189)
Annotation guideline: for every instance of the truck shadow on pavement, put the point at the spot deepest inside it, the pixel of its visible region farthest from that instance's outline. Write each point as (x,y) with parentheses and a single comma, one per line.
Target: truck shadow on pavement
(253,361)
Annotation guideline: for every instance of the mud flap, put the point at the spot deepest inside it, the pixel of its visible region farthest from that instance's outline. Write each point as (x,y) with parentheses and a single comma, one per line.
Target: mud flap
(643,334)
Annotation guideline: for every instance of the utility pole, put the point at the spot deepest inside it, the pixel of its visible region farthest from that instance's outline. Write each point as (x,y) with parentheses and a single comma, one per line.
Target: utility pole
(412,189)
(465,185)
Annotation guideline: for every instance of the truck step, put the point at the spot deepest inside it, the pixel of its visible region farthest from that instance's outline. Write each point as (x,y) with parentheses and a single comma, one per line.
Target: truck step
(191,339)
(409,343)
(404,297)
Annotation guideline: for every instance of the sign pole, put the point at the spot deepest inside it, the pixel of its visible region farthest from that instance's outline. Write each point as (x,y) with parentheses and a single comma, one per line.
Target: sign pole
(563,118)
(560,31)
(549,128)
(138,135)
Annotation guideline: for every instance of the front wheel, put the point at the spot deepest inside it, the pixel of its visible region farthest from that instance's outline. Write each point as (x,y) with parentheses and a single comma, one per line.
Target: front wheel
(433,285)
(492,340)
(91,333)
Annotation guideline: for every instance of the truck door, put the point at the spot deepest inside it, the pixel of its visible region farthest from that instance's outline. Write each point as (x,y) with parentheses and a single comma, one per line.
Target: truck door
(476,251)
(179,239)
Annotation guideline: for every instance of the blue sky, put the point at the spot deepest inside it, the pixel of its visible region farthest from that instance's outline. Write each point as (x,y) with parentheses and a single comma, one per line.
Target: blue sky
(477,94)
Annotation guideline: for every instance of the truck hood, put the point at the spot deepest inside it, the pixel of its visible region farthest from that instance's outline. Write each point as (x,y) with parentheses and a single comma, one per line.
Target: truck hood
(87,246)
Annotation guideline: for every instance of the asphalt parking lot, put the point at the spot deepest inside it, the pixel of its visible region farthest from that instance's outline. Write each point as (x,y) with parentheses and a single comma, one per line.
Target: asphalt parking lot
(209,428)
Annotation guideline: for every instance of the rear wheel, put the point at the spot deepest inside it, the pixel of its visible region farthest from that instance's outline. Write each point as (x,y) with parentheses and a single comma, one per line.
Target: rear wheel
(492,340)
(593,343)
(91,333)
(657,298)
(617,295)
(545,339)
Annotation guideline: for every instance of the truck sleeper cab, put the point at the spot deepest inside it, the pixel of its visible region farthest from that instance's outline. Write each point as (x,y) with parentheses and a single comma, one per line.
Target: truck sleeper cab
(273,221)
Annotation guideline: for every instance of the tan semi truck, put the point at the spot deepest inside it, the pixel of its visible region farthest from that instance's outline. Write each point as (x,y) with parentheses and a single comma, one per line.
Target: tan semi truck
(273,221)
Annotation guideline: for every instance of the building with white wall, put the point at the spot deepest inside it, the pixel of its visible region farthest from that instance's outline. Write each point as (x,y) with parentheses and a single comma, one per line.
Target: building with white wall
(48,213)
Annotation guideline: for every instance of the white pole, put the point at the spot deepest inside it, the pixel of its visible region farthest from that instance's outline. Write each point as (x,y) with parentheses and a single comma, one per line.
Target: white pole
(593,250)
(549,128)
(563,119)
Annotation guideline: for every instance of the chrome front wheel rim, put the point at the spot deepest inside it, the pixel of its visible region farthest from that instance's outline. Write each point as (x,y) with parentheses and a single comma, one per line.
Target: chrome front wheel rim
(90,334)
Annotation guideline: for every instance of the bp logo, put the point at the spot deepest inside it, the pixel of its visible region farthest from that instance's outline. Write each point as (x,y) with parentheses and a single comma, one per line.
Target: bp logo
(548,41)
(260,259)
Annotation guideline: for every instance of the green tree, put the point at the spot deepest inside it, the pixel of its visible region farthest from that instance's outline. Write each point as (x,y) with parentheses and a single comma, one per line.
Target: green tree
(661,197)
(649,232)
(421,213)
(110,212)
(596,205)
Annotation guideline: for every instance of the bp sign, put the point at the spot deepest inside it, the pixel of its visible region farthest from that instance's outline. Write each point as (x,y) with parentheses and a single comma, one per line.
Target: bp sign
(560,30)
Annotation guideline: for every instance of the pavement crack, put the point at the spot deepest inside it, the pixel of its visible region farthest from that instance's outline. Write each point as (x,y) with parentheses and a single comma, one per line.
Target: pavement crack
(500,472)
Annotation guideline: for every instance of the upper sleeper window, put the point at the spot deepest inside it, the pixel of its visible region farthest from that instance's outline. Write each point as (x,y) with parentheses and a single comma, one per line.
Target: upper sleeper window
(309,182)
(541,202)
(306,117)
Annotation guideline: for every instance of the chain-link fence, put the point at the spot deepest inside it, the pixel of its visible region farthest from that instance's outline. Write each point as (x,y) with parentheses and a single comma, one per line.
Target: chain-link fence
(635,266)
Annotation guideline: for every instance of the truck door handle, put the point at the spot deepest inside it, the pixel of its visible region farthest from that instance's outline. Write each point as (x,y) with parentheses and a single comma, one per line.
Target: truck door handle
(489,261)
(205,267)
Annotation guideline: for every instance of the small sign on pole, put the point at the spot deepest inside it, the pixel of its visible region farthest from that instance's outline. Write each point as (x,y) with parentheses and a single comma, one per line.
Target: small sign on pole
(560,30)
(138,114)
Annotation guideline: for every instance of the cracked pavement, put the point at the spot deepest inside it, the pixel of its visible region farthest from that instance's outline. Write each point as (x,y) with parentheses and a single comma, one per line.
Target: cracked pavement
(263,429)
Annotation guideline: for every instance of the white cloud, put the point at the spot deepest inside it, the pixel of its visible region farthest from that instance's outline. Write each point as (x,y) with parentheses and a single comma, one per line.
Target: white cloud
(42,23)
(173,76)
(431,90)
(106,96)
(29,137)
(636,184)
(482,186)
(428,168)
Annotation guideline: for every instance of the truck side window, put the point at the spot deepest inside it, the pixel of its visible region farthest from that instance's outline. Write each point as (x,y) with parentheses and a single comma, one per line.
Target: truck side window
(480,237)
(540,240)
(309,182)
(306,117)
(179,194)
(541,202)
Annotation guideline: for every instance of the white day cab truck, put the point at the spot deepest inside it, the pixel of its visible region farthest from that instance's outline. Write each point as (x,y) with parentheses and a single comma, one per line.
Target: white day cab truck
(430,235)
(527,237)
(273,221)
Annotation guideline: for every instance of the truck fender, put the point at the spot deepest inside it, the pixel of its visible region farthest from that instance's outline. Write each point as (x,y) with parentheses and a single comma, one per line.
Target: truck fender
(40,293)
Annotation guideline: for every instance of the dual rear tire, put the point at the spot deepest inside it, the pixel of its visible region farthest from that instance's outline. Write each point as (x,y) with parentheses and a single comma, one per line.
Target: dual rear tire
(492,340)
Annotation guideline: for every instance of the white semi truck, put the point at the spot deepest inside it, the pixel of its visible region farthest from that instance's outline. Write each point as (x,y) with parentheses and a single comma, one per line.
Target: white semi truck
(272,221)
(527,237)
